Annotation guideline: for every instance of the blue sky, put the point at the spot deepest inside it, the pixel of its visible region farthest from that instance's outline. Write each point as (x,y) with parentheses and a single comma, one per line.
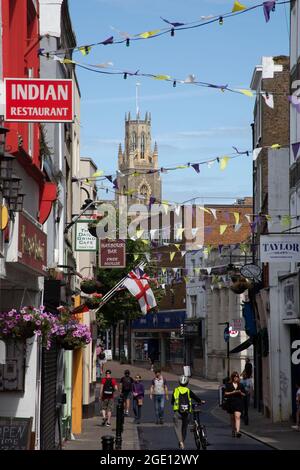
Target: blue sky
(189,123)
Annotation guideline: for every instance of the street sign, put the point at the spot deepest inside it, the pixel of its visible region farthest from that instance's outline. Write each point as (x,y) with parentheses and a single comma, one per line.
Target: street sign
(251,271)
(112,254)
(233,333)
(84,241)
(38,100)
(237,324)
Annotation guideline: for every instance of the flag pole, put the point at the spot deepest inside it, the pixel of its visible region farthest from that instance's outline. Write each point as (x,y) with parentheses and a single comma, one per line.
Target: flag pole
(111,293)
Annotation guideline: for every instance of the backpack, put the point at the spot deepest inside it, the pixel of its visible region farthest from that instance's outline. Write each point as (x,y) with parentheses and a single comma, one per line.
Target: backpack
(108,388)
(126,384)
(184,405)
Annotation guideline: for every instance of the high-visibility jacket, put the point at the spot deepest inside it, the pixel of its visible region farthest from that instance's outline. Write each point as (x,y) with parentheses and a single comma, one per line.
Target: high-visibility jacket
(180,391)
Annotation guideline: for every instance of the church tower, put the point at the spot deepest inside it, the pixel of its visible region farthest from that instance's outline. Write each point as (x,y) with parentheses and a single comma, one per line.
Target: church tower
(138,162)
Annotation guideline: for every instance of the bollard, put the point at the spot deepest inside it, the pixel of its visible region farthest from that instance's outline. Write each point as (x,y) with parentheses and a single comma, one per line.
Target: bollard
(107,443)
(119,423)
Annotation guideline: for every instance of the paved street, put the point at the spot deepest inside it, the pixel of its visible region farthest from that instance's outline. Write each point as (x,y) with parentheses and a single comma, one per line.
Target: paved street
(156,437)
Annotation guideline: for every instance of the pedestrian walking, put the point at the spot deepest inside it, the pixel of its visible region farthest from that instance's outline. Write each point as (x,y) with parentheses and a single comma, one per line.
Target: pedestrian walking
(159,391)
(235,393)
(101,358)
(248,368)
(297,425)
(182,406)
(107,389)
(138,391)
(247,383)
(126,390)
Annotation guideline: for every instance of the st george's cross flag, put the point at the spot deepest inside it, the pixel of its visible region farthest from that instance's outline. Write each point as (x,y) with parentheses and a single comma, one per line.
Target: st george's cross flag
(138,285)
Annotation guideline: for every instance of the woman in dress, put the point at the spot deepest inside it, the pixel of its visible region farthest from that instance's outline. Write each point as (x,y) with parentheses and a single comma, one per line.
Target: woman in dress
(235,393)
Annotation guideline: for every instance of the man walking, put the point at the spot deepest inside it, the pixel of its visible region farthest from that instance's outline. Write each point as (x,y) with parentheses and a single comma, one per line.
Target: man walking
(159,391)
(107,389)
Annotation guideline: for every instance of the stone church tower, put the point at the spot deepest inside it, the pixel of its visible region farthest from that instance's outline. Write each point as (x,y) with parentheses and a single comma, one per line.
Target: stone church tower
(138,157)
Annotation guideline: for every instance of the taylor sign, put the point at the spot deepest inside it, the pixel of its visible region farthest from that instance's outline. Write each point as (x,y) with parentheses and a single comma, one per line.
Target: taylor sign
(38,100)
(279,248)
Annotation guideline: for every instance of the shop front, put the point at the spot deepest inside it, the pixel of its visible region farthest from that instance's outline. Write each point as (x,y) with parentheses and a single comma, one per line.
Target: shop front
(159,336)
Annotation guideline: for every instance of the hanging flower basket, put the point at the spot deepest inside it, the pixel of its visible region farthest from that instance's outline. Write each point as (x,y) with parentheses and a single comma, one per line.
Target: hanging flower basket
(88,286)
(93,302)
(240,285)
(24,324)
(70,334)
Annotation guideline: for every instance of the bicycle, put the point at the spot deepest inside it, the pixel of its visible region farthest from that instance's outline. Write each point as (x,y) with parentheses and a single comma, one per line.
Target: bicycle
(199,429)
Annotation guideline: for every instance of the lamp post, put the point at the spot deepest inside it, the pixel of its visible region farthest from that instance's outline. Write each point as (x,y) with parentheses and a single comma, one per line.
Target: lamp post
(226,338)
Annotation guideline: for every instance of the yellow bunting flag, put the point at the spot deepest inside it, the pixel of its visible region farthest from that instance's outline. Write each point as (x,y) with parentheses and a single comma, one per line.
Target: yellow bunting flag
(163,270)
(97,173)
(186,279)
(197,270)
(204,209)
(238,7)
(209,248)
(139,233)
(85,50)
(161,77)
(268,217)
(165,205)
(223,229)
(286,220)
(275,146)
(172,254)
(181,166)
(177,245)
(245,92)
(148,34)
(68,61)
(135,257)
(224,162)
(237,217)
(146,242)
(243,247)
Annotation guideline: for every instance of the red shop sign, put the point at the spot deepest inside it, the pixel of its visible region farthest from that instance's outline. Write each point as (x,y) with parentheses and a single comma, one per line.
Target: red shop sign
(32,246)
(112,254)
(38,100)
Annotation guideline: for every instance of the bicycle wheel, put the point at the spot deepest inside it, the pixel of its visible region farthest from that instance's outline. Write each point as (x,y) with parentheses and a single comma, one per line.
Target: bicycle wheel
(203,437)
(197,438)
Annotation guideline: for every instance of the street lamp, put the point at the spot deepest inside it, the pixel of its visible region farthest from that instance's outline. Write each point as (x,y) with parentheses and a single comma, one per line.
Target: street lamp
(226,338)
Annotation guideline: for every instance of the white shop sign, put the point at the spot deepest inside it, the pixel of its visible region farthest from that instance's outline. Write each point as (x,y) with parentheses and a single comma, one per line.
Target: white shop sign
(84,241)
(279,248)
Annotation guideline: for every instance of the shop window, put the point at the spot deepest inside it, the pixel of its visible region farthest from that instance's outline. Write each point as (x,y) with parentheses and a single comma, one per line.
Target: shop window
(12,376)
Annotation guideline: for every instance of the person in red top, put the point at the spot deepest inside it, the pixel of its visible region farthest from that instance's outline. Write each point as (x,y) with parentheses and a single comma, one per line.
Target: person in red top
(107,389)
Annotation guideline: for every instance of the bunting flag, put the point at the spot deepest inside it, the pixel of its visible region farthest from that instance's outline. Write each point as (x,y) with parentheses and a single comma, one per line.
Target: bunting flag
(214,213)
(211,287)
(194,231)
(177,210)
(139,233)
(196,167)
(146,242)
(286,221)
(177,245)
(224,163)
(295,102)
(275,146)
(268,7)
(161,77)
(269,99)
(220,247)
(209,248)
(148,257)
(248,217)
(245,92)
(238,7)
(186,279)
(153,232)
(208,270)
(179,232)
(223,228)
(175,270)
(197,270)
(256,152)
(204,209)
(85,50)
(97,173)
(183,253)
(236,217)
(136,256)
(107,41)
(295,148)
(163,270)
(115,183)
(176,24)
(109,177)
(172,254)
(237,227)
(149,34)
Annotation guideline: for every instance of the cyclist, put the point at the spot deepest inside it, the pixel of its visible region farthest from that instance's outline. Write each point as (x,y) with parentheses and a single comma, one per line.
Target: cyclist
(182,406)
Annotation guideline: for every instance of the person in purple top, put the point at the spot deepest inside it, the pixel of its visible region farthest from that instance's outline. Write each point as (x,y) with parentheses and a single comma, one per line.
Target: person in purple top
(138,392)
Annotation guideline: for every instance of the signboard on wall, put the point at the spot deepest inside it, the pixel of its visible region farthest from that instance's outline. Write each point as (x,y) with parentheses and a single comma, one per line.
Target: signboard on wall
(32,246)
(84,241)
(15,433)
(38,100)
(112,254)
(280,248)
(290,297)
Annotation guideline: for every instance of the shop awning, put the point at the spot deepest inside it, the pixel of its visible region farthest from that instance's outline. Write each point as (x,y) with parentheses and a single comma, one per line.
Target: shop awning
(241,347)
